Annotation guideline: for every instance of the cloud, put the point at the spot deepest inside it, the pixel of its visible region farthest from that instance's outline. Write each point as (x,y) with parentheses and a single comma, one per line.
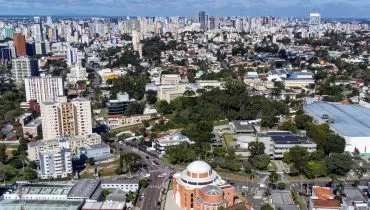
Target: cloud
(328,8)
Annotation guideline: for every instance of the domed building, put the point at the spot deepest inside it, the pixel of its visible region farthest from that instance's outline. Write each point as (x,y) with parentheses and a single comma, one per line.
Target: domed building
(200,188)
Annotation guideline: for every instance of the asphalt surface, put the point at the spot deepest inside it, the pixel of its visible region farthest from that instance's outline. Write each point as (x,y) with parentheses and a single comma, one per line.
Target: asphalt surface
(154,167)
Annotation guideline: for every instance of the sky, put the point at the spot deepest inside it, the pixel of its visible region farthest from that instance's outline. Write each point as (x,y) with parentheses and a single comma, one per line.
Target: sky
(284,8)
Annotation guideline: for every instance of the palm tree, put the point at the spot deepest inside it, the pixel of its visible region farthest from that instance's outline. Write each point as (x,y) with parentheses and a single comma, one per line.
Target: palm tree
(273,177)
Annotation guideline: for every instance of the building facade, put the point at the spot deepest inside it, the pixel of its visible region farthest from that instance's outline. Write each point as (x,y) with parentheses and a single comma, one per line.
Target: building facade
(63,118)
(73,143)
(199,187)
(21,69)
(20,44)
(43,88)
(55,164)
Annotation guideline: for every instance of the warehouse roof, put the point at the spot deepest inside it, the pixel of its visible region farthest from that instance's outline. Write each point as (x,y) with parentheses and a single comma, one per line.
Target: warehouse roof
(346,119)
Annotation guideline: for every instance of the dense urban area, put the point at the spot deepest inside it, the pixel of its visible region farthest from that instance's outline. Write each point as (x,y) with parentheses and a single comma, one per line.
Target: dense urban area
(189,113)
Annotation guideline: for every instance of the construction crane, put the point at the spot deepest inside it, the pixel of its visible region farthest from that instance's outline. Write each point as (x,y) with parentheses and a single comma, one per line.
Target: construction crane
(20,195)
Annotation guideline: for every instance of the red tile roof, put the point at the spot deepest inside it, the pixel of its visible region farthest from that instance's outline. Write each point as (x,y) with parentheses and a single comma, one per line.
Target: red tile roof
(326,203)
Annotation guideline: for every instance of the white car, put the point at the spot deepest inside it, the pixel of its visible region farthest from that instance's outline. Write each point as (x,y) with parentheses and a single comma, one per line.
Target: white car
(146,175)
(162,175)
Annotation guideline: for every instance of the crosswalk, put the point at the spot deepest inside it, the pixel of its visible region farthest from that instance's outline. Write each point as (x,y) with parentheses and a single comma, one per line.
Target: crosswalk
(154,187)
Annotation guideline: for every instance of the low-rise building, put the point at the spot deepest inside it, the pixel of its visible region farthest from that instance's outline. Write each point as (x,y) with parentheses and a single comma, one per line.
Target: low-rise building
(281,142)
(170,140)
(170,79)
(94,151)
(125,185)
(71,142)
(33,128)
(323,198)
(118,120)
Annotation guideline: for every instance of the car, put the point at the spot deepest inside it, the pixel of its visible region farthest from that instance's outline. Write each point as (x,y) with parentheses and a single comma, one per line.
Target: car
(146,175)
(147,157)
(142,195)
(153,163)
(162,175)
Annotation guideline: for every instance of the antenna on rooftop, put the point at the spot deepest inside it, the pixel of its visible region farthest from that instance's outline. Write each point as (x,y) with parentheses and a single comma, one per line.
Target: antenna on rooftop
(20,194)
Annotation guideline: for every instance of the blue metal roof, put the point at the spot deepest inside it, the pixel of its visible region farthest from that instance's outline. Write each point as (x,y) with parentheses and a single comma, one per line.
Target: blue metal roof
(349,120)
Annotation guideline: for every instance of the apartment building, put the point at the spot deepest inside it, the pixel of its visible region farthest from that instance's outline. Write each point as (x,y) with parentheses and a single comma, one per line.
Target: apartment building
(73,143)
(43,88)
(63,118)
(118,120)
(21,69)
(55,164)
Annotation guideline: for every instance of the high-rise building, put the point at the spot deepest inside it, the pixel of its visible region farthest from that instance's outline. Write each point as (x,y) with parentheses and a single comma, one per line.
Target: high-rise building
(78,73)
(55,164)
(43,88)
(63,118)
(202,20)
(71,55)
(20,44)
(136,40)
(314,24)
(21,69)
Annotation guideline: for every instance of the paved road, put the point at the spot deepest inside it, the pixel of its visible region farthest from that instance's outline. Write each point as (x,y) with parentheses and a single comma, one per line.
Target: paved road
(153,191)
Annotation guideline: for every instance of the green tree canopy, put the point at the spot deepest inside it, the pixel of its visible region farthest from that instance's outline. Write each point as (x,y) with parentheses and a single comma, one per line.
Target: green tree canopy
(339,164)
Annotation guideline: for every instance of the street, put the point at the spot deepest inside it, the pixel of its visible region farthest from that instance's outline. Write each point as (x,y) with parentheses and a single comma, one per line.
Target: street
(153,191)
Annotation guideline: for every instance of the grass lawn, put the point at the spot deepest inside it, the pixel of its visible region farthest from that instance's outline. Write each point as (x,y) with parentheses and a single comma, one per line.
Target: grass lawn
(103,112)
(228,138)
(105,169)
(221,122)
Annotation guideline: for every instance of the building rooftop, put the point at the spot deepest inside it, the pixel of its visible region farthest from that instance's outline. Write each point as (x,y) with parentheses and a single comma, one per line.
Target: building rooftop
(113,205)
(34,123)
(42,204)
(348,120)
(286,137)
(92,205)
(323,193)
(317,203)
(198,167)
(42,189)
(85,188)
(281,197)
(122,181)
(97,146)
(354,194)
(212,190)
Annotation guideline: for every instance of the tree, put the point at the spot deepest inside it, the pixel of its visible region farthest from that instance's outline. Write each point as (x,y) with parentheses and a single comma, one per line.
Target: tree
(339,164)
(288,126)
(163,107)
(91,161)
(281,185)
(298,156)
(273,177)
(266,207)
(302,121)
(315,169)
(29,173)
(359,171)
(151,96)
(143,183)
(3,155)
(333,144)
(105,193)
(256,148)
(260,162)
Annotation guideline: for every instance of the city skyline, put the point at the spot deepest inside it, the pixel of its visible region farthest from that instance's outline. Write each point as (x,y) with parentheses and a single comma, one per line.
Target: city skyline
(288,8)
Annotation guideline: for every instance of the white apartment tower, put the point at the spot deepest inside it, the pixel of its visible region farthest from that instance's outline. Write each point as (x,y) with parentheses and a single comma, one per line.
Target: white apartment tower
(136,40)
(314,24)
(44,88)
(55,164)
(21,69)
(83,116)
(78,73)
(63,118)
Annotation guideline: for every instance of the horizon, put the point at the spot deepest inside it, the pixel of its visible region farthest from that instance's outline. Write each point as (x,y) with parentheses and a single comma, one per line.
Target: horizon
(187,8)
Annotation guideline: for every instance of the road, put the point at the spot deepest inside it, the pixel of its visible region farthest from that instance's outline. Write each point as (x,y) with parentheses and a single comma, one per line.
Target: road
(153,191)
